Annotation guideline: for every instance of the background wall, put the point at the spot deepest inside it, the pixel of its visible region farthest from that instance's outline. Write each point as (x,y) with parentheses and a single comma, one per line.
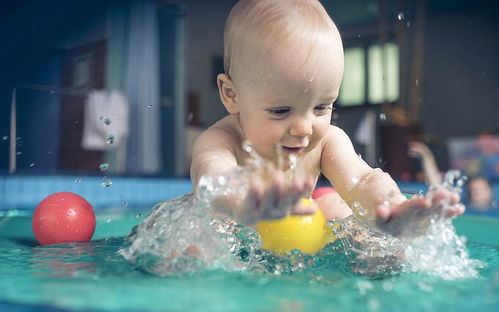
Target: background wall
(458,86)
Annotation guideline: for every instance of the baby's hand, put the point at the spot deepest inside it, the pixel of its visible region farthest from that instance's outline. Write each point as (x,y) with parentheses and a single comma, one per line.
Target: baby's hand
(304,207)
(267,198)
(412,217)
(275,198)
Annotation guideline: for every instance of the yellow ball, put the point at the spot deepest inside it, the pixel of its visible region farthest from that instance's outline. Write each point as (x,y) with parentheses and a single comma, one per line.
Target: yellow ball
(304,232)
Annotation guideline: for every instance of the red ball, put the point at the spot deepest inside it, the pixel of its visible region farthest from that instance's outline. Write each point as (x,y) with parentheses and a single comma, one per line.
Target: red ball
(62,218)
(318,192)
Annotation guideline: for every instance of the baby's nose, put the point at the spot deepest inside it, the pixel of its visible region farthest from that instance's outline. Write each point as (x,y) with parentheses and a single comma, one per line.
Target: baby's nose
(301,127)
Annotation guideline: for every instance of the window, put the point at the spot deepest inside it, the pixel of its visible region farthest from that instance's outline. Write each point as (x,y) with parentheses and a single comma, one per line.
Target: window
(371,75)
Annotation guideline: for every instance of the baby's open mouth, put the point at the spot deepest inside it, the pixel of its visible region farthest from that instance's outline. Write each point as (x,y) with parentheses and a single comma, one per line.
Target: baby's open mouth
(292,150)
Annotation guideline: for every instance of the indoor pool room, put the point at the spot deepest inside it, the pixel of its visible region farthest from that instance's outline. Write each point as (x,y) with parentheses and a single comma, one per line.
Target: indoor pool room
(249,155)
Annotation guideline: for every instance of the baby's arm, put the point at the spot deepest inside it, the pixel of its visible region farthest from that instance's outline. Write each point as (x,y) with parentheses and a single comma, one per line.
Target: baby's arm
(373,193)
(269,195)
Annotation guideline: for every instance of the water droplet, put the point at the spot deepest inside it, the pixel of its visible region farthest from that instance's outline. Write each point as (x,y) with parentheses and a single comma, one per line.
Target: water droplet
(382,117)
(417,82)
(104,166)
(361,211)
(107,121)
(149,105)
(5,138)
(110,139)
(221,180)
(107,183)
(77,180)
(400,16)
(32,164)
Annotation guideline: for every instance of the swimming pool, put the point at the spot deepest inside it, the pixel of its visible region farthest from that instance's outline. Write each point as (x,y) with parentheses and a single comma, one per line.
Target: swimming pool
(93,276)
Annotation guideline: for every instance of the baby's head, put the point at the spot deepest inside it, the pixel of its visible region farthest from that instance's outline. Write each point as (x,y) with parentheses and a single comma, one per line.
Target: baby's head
(293,33)
(283,62)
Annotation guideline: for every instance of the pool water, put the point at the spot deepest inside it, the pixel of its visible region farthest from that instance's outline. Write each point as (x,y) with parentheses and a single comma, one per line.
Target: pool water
(93,276)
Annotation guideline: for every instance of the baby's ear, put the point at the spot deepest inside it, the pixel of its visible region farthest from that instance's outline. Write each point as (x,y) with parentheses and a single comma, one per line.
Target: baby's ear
(227,93)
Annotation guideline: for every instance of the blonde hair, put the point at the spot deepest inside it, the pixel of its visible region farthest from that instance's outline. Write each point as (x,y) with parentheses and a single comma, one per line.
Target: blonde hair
(273,25)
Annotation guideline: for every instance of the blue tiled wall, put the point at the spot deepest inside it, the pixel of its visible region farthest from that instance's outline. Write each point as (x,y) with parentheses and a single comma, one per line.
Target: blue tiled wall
(25,192)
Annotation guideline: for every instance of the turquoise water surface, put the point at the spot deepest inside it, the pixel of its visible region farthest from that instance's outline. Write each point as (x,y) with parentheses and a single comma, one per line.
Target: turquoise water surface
(93,276)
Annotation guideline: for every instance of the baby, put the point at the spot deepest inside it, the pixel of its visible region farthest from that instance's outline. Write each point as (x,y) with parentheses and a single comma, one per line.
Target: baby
(283,62)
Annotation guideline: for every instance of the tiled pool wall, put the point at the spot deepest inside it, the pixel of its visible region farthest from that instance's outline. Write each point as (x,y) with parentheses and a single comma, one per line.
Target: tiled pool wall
(25,192)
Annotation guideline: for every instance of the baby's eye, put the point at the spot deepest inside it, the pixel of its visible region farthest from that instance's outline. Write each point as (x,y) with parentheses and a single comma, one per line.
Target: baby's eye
(279,112)
(323,108)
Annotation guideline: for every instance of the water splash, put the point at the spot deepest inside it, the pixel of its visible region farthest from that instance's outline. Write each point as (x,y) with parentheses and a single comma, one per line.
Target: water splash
(441,251)
(438,251)
(180,236)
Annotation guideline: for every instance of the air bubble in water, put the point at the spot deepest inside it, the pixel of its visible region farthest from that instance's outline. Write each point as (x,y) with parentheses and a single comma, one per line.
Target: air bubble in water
(5,138)
(107,121)
(32,164)
(400,16)
(382,117)
(77,180)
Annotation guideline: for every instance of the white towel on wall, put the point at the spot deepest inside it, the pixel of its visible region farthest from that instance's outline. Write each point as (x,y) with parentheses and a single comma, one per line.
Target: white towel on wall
(105,121)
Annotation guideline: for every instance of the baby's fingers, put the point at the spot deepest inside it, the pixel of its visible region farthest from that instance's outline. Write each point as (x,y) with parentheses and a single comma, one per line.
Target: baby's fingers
(272,206)
(304,207)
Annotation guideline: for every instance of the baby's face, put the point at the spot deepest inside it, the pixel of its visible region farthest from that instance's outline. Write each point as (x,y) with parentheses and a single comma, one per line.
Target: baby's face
(287,102)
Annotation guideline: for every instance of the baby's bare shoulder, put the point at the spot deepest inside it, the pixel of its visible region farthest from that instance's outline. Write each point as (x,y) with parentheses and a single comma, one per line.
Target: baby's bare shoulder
(225,132)
(334,136)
